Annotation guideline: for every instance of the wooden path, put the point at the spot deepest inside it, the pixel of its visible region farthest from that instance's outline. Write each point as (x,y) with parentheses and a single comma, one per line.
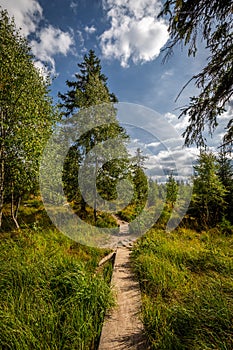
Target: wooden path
(122,327)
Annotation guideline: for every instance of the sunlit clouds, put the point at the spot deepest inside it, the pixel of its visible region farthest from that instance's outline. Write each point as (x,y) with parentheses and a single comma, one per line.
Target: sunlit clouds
(135,32)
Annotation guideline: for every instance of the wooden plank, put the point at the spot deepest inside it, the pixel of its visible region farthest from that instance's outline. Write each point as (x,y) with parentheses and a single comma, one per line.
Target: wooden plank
(106,258)
(122,327)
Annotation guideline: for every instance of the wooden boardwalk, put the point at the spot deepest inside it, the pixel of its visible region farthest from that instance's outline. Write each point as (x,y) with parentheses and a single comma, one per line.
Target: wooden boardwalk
(122,327)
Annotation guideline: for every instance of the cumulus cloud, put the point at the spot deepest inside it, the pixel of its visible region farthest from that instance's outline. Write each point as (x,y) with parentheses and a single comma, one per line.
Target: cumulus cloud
(90,30)
(178,161)
(135,32)
(214,141)
(44,70)
(27,13)
(229,111)
(51,41)
(180,124)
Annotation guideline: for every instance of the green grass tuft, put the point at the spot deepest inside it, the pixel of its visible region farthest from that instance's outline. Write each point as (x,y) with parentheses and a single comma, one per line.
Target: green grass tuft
(50,295)
(187,285)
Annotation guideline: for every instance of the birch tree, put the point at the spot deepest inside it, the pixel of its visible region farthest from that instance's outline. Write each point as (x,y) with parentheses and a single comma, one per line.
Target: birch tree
(26,115)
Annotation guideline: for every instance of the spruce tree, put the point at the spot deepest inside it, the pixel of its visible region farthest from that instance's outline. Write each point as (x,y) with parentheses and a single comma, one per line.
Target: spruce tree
(90,98)
(209,194)
(210,22)
(77,96)
(225,173)
(172,190)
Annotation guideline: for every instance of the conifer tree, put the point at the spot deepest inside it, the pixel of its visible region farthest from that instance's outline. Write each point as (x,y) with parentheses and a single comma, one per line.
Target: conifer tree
(89,96)
(172,190)
(225,173)
(210,22)
(209,194)
(90,71)
(139,178)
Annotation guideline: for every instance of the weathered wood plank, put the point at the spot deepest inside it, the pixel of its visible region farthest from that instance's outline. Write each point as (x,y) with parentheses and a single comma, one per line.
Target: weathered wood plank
(106,258)
(122,327)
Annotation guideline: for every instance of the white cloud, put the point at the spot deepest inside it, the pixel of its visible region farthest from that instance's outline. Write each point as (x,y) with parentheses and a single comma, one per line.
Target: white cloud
(229,111)
(44,70)
(90,30)
(180,124)
(171,118)
(135,31)
(80,37)
(27,13)
(74,6)
(51,41)
(153,144)
(177,160)
(167,74)
(214,141)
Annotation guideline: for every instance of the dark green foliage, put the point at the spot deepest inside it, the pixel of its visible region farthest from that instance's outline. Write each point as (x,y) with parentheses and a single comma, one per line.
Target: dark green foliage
(90,69)
(138,179)
(209,193)
(225,173)
(90,98)
(153,192)
(212,21)
(172,190)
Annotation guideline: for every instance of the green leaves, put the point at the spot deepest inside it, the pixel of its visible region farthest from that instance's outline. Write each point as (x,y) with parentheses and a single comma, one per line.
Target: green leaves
(27,114)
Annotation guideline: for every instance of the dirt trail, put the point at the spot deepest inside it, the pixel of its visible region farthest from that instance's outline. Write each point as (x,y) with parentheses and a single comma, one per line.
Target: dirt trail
(122,327)
(123,238)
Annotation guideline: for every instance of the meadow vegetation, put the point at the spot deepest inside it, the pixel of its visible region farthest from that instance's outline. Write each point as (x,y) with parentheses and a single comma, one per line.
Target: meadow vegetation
(187,288)
(51,296)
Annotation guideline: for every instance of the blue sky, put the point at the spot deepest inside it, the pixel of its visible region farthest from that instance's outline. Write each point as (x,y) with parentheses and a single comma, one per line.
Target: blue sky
(128,38)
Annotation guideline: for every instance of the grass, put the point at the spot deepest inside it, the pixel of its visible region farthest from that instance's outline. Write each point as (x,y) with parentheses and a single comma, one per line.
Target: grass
(50,294)
(52,298)
(187,284)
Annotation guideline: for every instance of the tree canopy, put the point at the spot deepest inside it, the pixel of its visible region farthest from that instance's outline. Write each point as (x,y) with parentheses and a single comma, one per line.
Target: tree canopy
(81,93)
(208,191)
(211,21)
(26,114)
(89,97)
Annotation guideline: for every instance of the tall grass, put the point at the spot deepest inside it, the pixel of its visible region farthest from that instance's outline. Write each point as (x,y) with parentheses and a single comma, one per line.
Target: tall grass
(187,285)
(50,296)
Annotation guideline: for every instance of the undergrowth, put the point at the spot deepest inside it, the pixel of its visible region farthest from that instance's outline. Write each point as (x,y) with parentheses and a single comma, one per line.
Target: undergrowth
(50,295)
(187,285)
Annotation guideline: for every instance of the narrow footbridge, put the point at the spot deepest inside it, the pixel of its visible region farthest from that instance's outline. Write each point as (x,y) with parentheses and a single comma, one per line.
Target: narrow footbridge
(122,328)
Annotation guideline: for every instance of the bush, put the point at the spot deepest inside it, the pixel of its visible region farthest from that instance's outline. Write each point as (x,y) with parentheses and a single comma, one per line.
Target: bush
(226,227)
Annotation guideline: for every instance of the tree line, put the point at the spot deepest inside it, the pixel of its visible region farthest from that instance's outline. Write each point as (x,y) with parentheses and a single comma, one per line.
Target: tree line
(27,119)
(212,192)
